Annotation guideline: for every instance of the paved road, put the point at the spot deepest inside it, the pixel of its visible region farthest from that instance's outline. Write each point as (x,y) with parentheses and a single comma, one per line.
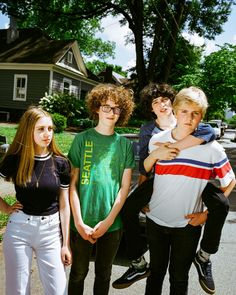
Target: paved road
(224,262)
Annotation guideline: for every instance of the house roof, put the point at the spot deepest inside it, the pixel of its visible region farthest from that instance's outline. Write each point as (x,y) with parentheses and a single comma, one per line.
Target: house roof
(32,46)
(111,76)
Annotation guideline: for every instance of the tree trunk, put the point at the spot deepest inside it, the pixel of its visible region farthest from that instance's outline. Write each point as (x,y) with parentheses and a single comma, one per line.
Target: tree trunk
(136,10)
(151,72)
(175,29)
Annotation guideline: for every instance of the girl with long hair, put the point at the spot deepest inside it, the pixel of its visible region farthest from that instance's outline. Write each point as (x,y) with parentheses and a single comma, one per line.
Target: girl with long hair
(39,219)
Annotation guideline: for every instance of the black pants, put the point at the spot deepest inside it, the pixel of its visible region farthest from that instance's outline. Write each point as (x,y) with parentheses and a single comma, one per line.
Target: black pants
(106,249)
(172,249)
(214,199)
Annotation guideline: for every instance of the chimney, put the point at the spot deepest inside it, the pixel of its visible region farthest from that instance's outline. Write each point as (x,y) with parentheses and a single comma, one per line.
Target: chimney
(12,32)
(108,74)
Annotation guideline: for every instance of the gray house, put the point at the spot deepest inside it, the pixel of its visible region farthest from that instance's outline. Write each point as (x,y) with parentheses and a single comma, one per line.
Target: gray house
(32,64)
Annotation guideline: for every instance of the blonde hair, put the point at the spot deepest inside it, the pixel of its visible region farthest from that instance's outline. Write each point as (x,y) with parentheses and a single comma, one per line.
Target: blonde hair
(118,94)
(23,144)
(191,95)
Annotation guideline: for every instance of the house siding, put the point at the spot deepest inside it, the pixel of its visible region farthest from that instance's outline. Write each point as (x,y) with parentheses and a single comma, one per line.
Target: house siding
(73,64)
(57,84)
(37,85)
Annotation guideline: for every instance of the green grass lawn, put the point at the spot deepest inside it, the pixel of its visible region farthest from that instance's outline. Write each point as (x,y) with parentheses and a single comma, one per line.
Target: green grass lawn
(63,139)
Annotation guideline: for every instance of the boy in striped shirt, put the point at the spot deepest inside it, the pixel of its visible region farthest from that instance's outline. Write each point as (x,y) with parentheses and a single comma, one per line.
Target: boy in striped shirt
(176,209)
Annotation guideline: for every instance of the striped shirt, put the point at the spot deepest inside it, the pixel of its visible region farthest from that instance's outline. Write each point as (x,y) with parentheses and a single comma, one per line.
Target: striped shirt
(179,183)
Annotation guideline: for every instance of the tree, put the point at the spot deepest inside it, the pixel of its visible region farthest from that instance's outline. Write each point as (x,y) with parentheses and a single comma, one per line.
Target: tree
(219,79)
(44,15)
(97,66)
(156,25)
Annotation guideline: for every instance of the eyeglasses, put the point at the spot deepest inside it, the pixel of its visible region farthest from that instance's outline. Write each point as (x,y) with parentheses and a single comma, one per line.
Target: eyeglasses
(160,99)
(106,109)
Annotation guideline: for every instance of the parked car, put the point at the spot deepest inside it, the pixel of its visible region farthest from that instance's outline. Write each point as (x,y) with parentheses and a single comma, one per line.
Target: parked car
(222,125)
(216,128)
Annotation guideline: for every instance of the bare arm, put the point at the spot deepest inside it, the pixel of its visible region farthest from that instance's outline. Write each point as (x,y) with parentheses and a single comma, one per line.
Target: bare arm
(64,206)
(104,225)
(228,189)
(187,142)
(84,230)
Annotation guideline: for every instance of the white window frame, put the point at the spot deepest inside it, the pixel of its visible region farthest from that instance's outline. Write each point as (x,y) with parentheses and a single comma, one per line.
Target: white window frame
(21,89)
(65,80)
(69,57)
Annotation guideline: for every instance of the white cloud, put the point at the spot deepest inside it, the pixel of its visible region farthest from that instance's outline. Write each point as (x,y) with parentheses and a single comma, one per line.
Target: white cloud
(210,47)
(193,39)
(234,39)
(130,64)
(113,31)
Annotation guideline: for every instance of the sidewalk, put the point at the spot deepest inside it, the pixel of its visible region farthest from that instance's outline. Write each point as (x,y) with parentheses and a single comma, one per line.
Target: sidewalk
(224,266)
(224,270)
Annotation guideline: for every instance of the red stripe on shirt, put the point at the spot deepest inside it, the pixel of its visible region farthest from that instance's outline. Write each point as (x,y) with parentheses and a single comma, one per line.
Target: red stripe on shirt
(222,171)
(184,170)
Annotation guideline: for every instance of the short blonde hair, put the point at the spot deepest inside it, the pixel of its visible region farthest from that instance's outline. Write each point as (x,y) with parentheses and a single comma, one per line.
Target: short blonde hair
(191,95)
(122,96)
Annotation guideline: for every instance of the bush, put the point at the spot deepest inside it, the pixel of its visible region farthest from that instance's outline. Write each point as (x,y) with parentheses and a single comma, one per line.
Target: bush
(232,122)
(64,104)
(83,123)
(59,122)
(136,122)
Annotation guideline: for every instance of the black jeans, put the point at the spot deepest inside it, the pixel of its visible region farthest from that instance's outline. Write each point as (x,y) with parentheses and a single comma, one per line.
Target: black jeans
(214,199)
(136,244)
(106,249)
(218,207)
(174,248)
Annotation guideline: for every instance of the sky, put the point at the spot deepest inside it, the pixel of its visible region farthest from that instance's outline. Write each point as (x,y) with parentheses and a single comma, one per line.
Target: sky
(125,53)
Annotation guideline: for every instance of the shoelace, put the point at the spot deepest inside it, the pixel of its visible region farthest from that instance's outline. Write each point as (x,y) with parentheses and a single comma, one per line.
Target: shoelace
(207,269)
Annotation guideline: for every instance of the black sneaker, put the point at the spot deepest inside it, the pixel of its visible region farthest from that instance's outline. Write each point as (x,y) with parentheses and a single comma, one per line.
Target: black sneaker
(131,276)
(205,275)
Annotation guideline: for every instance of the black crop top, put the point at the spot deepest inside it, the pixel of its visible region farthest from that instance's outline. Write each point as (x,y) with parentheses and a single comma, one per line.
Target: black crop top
(41,198)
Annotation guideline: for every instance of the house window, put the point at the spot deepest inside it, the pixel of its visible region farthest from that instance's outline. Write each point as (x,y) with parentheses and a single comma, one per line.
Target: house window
(69,57)
(20,87)
(67,86)
(74,91)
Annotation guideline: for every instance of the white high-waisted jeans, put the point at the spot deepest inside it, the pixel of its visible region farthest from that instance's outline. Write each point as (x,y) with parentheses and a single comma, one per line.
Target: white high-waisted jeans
(24,235)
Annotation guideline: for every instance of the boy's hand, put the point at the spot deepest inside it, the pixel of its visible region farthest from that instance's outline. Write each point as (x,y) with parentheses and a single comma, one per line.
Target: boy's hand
(145,209)
(86,233)
(197,218)
(100,229)
(164,152)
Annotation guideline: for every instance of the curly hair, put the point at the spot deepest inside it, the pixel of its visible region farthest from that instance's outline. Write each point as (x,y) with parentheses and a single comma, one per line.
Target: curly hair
(152,91)
(120,95)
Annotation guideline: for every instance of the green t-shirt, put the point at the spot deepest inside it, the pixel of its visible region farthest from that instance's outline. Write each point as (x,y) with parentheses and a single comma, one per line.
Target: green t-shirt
(101,160)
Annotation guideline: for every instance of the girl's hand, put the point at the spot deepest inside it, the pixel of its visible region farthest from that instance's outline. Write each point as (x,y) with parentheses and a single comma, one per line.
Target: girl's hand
(14,207)
(66,256)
